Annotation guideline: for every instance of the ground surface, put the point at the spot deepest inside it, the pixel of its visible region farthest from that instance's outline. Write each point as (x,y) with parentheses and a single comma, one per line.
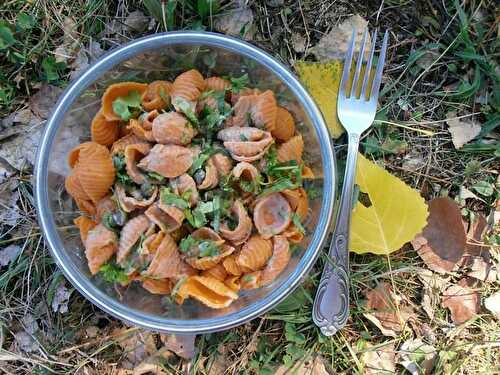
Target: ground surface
(436,48)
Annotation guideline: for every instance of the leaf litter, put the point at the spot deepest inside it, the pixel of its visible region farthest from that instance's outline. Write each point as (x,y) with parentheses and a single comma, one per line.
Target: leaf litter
(61,298)
(462,130)
(492,304)
(379,360)
(238,21)
(308,366)
(442,242)
(389,311)
(417,357)
(462,301)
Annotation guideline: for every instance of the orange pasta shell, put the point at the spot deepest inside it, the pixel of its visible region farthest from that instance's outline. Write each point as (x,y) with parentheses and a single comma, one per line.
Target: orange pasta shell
(116,90)
(188,85)
(206,263)
(285,126)
(103,131)
(251,280)
(278,261)
(217,84)
(254,253)
(233,283)
(217,272)
(84,224)
(157,95)
(158,286)
(209,291)
(291,149)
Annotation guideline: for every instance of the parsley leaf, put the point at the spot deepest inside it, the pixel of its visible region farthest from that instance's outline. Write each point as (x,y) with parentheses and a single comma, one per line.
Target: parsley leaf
(187,243)
(123,104)
(237,84)
(112,273)
(121,171)
(298,224)
(208,249)
(185,107)
(195,217)
(167,197)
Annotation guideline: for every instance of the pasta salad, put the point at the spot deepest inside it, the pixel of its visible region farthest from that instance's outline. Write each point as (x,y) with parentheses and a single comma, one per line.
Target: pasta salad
(193,188)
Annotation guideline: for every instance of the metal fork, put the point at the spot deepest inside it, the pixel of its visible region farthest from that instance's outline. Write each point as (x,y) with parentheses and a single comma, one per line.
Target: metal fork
(356,113)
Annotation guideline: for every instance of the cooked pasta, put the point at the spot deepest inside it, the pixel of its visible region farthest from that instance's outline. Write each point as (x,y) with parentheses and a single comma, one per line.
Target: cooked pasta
(192,187)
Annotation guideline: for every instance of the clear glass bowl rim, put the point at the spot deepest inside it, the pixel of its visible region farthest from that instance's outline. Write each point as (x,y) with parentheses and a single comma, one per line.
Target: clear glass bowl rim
(109,304)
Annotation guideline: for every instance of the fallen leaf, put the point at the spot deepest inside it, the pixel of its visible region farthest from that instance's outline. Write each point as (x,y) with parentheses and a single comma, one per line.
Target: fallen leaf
(6,171)
(236,22)
(396,214)
(462,301)
(310,366)
(413,161)
(433,287)
(462,130)
(380,360)
(8,254)
(25,339)
(387,310)
(182,345)
(61,298)
(335,44)
(492,303)
(147,368)
(42,102)
(465,193)
(70,41)
(298,42)
(10,214)
(442,242)
(137,345)
(322,80)
(136,21)
(417,357)
(21,149)
(475,235)
(23,116)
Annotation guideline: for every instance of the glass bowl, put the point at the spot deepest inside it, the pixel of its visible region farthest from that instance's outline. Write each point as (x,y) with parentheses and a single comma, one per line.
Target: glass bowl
(163,56)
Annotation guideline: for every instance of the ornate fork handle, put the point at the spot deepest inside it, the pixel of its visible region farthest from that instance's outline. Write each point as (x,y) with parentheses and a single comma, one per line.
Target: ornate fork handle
(331,305)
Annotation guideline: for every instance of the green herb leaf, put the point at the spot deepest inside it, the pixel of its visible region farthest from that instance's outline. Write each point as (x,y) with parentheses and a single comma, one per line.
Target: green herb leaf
(25,21)
(216,212)
(121,171)
(123,104)
(297,223)
(208,249)
(237,84)
(187,243)
(167,197)
(185,107)
(112,273)
(156,176)
(6,36)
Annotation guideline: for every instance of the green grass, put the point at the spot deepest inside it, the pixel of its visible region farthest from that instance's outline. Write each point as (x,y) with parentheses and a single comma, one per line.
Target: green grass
(444,58)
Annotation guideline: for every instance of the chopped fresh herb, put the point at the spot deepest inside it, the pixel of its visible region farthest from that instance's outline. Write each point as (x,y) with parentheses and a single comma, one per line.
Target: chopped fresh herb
(281,176)
(243,138)
(167,197)
(127,106)
(202,158)
(252,186)
(163,95)
(208,249)
(295,248)
(232,221)
(313,192)
(195,217)
(248,278)
(216,213)
(121,170)
(156,176)
(297,223)
(112,273)
(187,243)
(109,222)
(185,107)
(280,185)
(178,285)
(237,84)
(205,207)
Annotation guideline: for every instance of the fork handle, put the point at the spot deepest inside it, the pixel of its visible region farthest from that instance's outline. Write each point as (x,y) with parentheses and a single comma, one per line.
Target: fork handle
(331,305)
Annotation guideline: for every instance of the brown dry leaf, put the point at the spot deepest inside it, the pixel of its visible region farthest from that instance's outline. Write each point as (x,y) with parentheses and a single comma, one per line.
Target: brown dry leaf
(153,367)
(8,254)
(182,345)
(237,22)
(381,360)
(462,301)
(387,310)
(70,41)
(298,42)
(137,345)
(475,234)
(492,303)
(309,366)
(433,287)
(442,242)
(42,102)
(417,357)
(334,45)
(462,130)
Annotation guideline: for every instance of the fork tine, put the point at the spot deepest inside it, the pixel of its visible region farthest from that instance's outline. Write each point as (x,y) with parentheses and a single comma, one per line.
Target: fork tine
(347,65)
(359,65)
(380,67)
(368,69)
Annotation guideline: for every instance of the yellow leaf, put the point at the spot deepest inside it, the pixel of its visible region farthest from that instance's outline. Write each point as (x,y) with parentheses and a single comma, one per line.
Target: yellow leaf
(322,80)
(397,212)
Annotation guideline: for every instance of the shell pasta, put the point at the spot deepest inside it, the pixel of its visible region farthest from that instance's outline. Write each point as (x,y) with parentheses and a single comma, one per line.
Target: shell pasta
(193,188)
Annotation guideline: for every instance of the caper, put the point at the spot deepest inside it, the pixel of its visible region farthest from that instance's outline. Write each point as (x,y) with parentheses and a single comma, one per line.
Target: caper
(199,176)
(147,189)
(136,193)
(119,217)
